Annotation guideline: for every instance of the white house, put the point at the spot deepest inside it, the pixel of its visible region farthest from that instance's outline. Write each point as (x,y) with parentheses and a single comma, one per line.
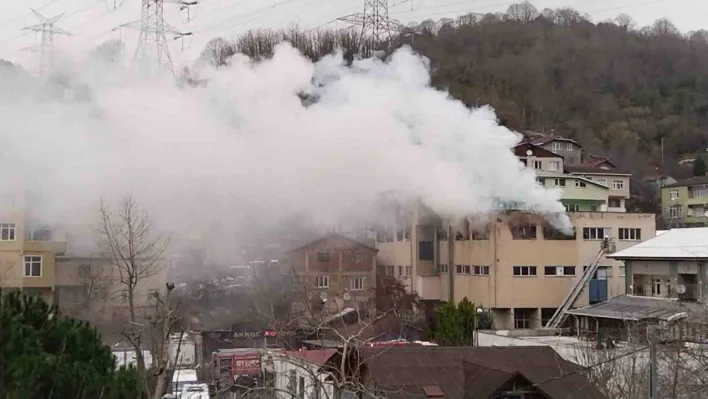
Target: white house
(299,374)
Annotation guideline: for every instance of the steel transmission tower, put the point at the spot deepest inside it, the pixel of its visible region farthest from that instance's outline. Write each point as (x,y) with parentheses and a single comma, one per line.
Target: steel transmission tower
(48,30)
(152,45)
(376,26)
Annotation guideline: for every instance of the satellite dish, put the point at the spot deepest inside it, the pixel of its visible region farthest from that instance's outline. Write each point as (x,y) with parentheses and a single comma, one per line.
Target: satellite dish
(323,296)
(529,152)
(681,289)
(346,296)
(705,213)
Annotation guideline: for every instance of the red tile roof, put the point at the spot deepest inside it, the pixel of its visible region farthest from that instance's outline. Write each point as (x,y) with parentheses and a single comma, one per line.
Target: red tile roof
(314,356)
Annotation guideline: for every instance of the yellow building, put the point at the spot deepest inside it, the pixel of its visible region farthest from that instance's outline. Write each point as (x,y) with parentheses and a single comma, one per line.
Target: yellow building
(514,264)
(28,247)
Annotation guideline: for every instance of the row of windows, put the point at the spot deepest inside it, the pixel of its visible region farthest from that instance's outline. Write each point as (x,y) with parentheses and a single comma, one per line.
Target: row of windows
(355,283)
(324,257)
(474,270)
(529,232)
(8,232)
(402,270)
(561,182)
(478,270)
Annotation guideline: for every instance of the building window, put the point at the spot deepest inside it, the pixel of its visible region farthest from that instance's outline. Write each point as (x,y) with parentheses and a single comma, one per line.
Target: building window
(482,234)
(618,184)
(524,270)
(390,270)
(572,207)
(480,270)
(323,256)
(551,233)
(675,211)
(33,266)
(442,235)
(443,268)
(556,146)
(401,270)
(673,194)
(522,318)
(596,233)
(538,165)
(622,271)
(541,180)
(580,183)
(462,269)
(322,282)
(356,283)
(7,231)
(359,258)
(614,202)
(630,234)
(524,232)
(39,234)
(554,166)
(602,181)
(559,271)
(409,271)
(426,250)
(560,182)
(301,388)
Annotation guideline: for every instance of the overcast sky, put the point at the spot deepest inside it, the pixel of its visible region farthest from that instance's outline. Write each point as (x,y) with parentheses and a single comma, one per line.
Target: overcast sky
(91,21)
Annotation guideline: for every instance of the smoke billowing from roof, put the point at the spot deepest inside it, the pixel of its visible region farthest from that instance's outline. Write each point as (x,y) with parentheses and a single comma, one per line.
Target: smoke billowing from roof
(246,151)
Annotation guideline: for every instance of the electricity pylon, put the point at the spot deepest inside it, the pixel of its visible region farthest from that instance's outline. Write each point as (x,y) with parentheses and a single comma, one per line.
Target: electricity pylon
(376,25)
(152,45)
(48,30)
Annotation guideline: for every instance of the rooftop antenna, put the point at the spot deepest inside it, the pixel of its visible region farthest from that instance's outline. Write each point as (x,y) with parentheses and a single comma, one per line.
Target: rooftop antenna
(48,30)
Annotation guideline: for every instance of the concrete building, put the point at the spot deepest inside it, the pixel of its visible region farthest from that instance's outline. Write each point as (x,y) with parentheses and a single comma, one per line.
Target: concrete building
(91,288)
(514,263)
(336,270)
(570,150)
(617,181)
(685,202)
(28,246)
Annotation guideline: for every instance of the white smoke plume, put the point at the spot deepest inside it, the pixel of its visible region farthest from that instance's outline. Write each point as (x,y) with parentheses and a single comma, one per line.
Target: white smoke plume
(245,151)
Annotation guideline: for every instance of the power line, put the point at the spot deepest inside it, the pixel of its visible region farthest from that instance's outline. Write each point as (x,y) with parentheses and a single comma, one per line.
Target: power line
(152,44)
(48,30)
(10,22)
(376,25)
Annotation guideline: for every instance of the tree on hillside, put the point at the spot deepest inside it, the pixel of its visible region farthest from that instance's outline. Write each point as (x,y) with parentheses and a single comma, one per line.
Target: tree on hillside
(130,242)
(218,51)
(455,325)
(47,355)
(522,12)
(699,166)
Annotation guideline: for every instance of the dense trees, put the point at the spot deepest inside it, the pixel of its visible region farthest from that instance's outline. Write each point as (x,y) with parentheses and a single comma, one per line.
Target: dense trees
(618,90)
(47,355)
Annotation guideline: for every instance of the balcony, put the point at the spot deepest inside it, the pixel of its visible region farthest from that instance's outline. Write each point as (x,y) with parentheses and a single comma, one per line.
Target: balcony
(55,247)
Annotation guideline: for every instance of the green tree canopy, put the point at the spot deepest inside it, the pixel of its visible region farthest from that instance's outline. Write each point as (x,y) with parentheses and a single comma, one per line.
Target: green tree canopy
(454,325)
(47,355)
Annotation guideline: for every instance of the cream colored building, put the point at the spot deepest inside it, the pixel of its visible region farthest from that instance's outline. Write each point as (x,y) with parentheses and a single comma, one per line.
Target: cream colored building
(514,264)
(28,247)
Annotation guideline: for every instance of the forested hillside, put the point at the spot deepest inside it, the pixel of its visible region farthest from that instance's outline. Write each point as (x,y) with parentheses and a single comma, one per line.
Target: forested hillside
(617,89)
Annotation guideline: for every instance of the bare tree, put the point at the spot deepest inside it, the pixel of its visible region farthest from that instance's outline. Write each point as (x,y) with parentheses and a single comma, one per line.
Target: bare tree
(218,51)
(625,22)
(522,12)
(162,325)
(130,243)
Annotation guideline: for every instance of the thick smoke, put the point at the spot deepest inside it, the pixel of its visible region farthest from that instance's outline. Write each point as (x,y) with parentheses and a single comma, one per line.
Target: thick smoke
(246,151)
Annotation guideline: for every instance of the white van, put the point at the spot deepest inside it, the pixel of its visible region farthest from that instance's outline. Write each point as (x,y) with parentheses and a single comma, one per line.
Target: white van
(182,377)
(195,391)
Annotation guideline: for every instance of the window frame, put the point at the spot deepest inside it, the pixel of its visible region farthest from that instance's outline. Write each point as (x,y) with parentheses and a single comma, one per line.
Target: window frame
(554,166)
(630,234)
(580,184)
(616,186)
(606,232)
(463,269)
(353,286)
(30,264)
(556,268)
(559,182)
(443,269)
(528,269)
(672,196)
(323,257)
(321,281)
(520,232)
(11,229)
(538,165)
(479,270)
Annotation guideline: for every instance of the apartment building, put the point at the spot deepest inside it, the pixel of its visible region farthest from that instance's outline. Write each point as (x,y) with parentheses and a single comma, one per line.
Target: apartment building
(685,202)
(336,270)
(90,288)
(570,150)
(28,247)
(616,180)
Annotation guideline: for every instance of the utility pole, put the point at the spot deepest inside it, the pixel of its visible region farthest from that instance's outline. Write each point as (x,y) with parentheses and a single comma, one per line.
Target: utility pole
(152,45)
(653,379)
(48,30)
(376,26)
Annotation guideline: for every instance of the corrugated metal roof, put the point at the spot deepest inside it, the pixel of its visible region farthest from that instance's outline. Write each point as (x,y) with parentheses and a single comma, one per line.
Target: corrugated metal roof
(635,308)
(690,243)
